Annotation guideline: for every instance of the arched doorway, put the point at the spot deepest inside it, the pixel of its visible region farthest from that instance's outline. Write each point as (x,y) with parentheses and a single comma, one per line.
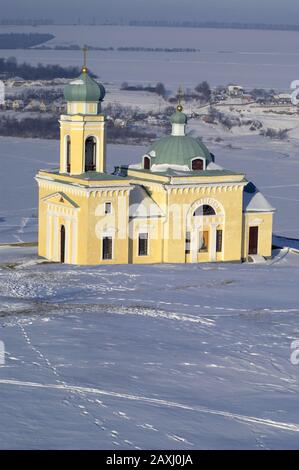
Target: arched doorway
(204,231)
(62,244)
(90,154)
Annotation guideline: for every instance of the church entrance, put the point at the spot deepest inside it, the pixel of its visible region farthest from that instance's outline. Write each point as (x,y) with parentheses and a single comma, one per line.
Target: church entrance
(62,244)
(204,232)
(253,240)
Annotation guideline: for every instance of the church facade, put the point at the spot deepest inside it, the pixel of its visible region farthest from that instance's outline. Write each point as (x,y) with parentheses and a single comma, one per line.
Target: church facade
(176,206)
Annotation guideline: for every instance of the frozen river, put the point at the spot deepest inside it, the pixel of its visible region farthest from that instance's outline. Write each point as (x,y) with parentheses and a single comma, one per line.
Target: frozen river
(266,59)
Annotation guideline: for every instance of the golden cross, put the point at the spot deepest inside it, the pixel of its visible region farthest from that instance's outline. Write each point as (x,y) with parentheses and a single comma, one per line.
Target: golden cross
(85,49)
(180,95)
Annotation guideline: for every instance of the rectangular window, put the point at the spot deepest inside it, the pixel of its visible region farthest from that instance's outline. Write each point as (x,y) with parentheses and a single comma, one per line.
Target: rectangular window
(188,243)
(203,241)
(218,241)
(107,248)
(108,207)
(143,244)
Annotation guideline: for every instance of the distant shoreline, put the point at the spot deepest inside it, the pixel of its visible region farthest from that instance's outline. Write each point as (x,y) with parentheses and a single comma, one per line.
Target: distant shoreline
(161,24)
(216,25)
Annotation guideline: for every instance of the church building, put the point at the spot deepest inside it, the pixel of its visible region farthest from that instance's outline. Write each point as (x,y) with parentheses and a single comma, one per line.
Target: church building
(176,206)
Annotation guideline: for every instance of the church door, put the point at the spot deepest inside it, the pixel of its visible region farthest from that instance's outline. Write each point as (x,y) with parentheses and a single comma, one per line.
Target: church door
(62,244)
(253,240)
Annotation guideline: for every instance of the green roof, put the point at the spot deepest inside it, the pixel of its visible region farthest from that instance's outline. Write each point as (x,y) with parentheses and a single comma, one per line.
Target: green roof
(84,89)
(185,174)
(178,150)
(88,175)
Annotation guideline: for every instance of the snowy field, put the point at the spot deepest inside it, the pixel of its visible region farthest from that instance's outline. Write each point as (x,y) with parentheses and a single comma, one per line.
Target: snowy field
(95,360)
(266,59)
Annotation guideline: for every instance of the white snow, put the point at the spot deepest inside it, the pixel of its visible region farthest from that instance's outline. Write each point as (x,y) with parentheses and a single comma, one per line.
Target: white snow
(142,205)
(256,202)
(77,82)
(169,356)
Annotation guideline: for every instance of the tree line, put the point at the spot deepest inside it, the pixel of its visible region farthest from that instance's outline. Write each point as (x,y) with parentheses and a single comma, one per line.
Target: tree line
(47,128)
(23,40)
(11,68)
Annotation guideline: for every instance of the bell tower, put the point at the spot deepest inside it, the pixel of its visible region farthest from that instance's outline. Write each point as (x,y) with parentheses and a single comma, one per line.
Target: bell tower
(83,128)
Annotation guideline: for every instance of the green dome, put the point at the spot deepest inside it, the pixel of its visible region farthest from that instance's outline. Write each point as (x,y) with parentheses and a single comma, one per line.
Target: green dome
(178,150)
(178,118)
(84,88)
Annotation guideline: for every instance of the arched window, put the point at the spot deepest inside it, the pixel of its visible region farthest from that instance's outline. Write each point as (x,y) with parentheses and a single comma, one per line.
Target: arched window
(68,154)
(197,164)
(147,163)
(90,154)
(204,210)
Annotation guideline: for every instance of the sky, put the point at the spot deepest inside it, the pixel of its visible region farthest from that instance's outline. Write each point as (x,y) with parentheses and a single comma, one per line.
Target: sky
(257,11)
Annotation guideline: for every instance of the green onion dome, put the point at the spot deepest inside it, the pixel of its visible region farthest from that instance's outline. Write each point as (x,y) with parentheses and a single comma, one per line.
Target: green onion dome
(178,118)
(84,88)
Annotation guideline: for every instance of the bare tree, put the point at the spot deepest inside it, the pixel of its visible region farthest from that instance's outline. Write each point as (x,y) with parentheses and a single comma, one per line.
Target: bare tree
(204,90)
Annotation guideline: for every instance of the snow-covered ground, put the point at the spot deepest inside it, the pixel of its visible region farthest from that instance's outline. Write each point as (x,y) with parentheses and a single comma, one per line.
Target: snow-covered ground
(128,357)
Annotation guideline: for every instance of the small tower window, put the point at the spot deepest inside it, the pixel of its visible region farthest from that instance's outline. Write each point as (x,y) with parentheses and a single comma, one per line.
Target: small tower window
(90,154)
(147,163)
(68,154)
(197,164)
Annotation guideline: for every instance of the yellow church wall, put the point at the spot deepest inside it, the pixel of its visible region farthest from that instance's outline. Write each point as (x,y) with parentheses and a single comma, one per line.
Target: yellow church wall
(154,228)
(52,216)
(264,222)
(75,108)
(79,128)
(90,214)
(165,243)
(230,221)
(115,225)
